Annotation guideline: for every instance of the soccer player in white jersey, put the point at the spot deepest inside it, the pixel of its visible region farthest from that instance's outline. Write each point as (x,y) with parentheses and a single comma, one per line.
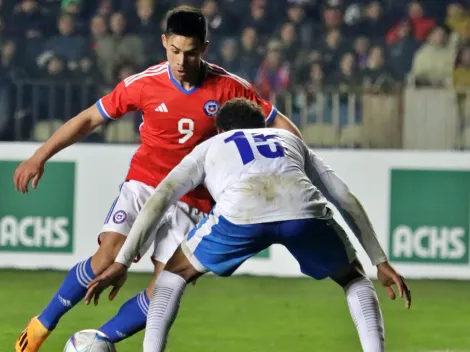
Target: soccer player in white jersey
(269,188)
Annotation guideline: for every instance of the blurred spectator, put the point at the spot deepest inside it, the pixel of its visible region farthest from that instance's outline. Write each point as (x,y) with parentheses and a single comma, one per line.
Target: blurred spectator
(402,51)
(345,81)
(377,76)
(250,53)
(118,46)
(316,79)
(457,18)
(257,17)
(28,20)
(462,69)
(56,68)
(147,28)
(218,22)
(332,17)
(11,63)
(296,15)
(67,45)
(374,24)
(353,14)
(309,94)
(331,50)
(346,77)
(147,24)
(421,25)
(361,49)
(274,74)
(104,8)
(73,7)
(434,61)
(228,56)
(290,46)
(98,30)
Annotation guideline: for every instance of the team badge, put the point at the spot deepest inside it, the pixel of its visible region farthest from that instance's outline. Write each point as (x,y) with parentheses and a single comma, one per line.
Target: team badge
(119,217)
(211,108)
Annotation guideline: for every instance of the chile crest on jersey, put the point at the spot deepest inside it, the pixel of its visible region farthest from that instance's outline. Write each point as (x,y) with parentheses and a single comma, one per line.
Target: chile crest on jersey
(211,108)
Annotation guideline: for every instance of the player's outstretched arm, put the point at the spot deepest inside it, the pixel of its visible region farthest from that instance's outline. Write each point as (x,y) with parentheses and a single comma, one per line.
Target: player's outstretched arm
(338,193)
(283,122)
(184,177)
(72,131)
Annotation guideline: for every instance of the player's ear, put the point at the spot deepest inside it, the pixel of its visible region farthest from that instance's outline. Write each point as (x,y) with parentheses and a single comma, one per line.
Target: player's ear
(205,46)
(164,41)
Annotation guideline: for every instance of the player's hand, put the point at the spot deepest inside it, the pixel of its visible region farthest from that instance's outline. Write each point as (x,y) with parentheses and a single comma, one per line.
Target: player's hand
(31,169)
(115,276)
(388,277)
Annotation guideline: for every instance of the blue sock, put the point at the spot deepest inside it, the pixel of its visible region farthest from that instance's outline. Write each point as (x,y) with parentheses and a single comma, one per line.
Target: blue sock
(130,319)
(72,291)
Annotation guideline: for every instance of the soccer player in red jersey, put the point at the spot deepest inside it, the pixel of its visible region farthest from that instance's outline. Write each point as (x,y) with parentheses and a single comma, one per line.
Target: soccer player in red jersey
(179,100)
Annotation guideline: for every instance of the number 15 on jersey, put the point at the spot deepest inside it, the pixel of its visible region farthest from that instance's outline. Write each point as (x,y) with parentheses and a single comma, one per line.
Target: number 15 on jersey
(263,144)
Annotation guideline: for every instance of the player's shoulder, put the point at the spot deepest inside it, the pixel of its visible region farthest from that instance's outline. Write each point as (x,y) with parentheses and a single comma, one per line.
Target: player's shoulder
(150,75)
(286,137)
(281,132)
(222,77)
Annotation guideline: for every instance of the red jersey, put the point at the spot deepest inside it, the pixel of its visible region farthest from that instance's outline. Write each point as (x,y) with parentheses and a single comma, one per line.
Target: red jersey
(175,120)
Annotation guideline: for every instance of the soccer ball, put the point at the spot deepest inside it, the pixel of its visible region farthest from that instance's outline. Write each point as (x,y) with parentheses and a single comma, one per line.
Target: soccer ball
(89,341)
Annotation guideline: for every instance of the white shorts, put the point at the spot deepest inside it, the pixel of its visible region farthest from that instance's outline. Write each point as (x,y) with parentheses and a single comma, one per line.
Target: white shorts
(175,225)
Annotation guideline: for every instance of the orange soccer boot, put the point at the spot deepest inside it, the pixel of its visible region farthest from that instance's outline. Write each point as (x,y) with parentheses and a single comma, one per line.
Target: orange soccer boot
(32,337)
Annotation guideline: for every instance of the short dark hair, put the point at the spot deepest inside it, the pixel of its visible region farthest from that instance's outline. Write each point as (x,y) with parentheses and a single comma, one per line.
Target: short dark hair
(240,113)
(186,21)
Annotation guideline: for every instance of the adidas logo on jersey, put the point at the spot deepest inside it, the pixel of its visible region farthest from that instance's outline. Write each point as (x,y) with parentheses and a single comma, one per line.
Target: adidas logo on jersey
(162,108)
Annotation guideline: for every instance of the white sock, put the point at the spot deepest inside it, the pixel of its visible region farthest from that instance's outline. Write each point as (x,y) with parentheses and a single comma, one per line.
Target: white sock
(163,309)
(366,314)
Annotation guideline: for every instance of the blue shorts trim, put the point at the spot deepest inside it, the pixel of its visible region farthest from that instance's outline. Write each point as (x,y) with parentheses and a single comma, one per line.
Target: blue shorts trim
(320,246)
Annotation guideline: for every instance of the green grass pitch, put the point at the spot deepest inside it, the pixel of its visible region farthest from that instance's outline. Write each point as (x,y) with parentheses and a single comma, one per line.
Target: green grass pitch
(252,314)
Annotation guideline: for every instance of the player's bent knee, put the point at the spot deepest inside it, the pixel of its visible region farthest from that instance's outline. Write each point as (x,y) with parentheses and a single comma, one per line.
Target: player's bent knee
(180,265)
(158,268)
(353,271)
(110,246)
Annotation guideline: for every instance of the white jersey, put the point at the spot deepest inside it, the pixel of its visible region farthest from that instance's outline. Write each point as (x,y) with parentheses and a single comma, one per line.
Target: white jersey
(257,175)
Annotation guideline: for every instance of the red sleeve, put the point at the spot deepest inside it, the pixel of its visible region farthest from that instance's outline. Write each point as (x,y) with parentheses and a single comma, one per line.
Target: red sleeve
(121,100)
(247,91)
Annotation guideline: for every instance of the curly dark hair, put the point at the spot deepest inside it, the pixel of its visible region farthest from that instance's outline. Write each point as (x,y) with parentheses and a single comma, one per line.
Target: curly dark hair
(240,113)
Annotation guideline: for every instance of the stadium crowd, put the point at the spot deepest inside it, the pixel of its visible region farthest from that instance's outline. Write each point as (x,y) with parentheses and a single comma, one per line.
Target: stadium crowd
(58,56)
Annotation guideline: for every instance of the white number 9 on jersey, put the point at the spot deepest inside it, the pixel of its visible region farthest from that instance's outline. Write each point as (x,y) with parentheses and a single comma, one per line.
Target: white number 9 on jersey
(186,128)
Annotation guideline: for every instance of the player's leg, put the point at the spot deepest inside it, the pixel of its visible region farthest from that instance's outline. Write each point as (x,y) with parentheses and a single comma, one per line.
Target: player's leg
(213,245)
(363,305)
(322,249)
(164,304)
(73,288)
(75,284)
(71,291)
(132,315)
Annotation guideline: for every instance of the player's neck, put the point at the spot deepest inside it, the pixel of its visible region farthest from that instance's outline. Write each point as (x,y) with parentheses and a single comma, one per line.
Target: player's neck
(194,80)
